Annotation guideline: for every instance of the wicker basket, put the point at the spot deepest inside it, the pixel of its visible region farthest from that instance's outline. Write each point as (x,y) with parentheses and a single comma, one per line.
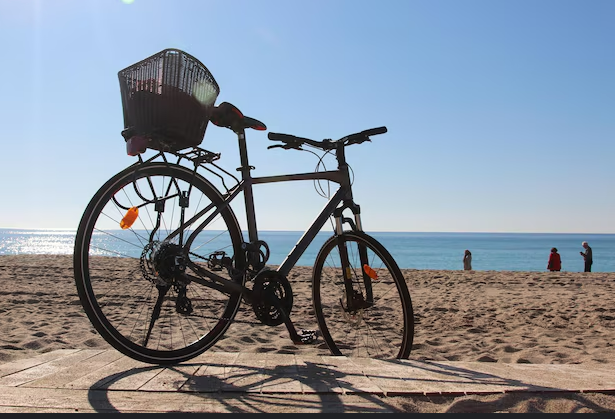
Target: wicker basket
(167,98)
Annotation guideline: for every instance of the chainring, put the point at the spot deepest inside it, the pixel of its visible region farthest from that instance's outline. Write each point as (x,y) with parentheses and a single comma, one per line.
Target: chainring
(269,287)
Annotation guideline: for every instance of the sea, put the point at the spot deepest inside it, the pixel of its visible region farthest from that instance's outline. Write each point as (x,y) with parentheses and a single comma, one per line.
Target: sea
(411,250)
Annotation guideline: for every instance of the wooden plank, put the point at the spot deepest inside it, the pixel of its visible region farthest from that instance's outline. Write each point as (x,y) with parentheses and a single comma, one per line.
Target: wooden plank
(52,366)
(26,363)
(92,360)
(110,373)
(170,379)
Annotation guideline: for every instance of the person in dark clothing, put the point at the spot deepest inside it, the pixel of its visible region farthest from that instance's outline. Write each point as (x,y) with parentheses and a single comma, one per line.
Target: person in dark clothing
(467,261)
(555,261)
(587,256)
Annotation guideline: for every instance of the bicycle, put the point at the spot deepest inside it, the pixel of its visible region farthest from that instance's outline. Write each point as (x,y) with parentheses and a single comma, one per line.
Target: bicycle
(160,261)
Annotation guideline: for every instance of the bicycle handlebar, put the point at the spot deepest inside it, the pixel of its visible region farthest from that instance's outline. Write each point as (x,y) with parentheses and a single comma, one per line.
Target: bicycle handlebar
(294,142)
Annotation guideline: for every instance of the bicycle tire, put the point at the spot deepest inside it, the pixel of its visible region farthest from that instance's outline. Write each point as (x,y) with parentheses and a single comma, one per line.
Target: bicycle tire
(384,330)
(118,284)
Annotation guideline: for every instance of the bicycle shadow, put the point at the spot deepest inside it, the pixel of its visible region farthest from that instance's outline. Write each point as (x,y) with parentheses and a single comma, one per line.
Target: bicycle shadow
(241,390)
(318,387)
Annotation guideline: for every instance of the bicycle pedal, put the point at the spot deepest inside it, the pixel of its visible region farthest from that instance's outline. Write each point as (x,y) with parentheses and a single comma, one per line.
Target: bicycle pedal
(306,337)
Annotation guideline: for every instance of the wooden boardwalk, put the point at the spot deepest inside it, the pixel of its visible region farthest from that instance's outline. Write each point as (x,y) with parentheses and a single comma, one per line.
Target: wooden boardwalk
(107,381)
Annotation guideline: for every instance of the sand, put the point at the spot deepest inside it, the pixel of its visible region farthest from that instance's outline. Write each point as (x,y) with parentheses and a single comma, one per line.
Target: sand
(484,316)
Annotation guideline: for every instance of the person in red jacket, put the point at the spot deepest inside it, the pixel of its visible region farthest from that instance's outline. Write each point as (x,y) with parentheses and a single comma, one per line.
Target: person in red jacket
(555,261)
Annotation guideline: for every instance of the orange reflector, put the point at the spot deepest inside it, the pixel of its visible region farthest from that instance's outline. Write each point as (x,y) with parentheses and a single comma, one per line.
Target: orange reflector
(130,218)
(370,272)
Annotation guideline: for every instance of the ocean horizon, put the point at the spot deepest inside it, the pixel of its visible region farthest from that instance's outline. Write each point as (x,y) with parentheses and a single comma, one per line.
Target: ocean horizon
(411,250)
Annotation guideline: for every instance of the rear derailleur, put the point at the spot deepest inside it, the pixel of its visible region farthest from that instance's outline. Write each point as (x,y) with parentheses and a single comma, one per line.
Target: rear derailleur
(163,263)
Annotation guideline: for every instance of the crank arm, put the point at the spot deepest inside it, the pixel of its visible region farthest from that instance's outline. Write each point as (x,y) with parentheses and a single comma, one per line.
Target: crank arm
(302,337)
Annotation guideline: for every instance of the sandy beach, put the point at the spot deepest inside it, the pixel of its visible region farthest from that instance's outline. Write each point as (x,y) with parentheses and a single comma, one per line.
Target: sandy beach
(484,316)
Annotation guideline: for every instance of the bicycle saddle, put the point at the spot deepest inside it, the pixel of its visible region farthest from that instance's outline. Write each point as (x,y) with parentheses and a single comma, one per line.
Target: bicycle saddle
(227,115)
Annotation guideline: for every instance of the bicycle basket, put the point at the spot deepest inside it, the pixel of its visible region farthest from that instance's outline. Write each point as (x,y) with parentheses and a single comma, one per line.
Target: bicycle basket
(167,98)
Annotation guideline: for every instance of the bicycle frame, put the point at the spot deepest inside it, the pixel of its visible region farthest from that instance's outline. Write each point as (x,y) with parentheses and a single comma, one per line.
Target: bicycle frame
(341,176)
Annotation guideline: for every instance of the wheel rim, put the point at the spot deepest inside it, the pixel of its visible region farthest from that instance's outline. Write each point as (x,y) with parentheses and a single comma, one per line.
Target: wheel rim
(121,274)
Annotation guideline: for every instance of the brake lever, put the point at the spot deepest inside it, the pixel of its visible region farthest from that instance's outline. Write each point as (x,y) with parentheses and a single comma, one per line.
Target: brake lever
(359,140)
(285,147)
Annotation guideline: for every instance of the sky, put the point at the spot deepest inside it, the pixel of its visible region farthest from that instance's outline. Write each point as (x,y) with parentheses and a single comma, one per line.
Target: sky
(500,113)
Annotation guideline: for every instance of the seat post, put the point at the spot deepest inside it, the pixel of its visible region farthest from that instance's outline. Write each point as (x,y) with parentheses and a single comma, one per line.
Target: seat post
(248,194)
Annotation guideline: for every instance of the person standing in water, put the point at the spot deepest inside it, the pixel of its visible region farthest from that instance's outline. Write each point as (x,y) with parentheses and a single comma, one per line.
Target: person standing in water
(467,261)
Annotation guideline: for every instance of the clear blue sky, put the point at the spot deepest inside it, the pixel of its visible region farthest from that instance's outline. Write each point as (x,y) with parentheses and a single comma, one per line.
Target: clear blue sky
(501,113)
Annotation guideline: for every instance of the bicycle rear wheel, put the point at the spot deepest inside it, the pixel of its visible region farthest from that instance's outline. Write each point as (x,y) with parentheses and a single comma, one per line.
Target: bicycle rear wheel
(125,277)
(381,323)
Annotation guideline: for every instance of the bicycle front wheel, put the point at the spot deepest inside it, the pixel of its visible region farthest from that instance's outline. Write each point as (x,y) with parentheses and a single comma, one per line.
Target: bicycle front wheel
(126,277)
(374,318)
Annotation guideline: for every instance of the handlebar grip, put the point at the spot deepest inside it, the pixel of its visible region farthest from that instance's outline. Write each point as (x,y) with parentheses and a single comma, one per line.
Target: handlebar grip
(374,131)
(273,136)
(287,138)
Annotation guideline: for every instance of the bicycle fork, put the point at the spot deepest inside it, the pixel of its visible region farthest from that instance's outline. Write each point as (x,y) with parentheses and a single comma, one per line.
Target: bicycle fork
(355,300)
